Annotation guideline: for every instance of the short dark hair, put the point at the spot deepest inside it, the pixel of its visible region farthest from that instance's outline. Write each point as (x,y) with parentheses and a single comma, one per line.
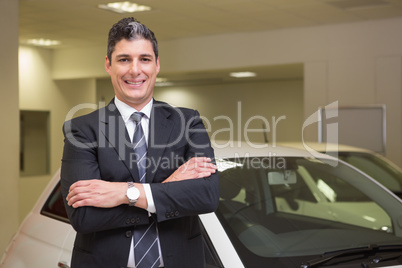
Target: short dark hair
(129,29)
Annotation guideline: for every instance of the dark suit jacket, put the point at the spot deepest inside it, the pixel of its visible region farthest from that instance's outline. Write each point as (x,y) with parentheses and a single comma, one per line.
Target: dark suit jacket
(97,146)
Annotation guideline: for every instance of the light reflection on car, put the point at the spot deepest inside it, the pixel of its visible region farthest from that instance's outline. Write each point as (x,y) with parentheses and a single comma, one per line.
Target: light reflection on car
(373,164)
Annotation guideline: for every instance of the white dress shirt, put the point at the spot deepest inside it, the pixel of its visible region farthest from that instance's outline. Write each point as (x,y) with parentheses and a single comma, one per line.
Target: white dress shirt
(126,111)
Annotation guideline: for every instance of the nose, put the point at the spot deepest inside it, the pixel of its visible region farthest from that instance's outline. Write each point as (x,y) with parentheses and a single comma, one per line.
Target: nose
(135,68)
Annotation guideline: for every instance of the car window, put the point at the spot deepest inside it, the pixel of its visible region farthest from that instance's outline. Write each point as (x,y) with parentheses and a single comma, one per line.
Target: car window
(335,198)
(330,184)
(54,205)
(273,213)
(375,167)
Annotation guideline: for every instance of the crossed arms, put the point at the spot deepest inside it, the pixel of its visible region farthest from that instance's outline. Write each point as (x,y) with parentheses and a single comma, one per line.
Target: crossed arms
(94,180)
(105,194)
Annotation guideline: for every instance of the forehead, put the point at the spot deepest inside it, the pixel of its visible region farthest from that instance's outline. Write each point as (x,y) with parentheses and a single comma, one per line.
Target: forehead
(133,47)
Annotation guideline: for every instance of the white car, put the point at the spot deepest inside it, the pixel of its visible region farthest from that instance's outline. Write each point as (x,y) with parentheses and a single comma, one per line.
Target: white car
(279,207)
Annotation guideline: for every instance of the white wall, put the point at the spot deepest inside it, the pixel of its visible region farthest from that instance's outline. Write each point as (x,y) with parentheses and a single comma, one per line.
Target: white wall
(9,118)
(38,91)
(228,108)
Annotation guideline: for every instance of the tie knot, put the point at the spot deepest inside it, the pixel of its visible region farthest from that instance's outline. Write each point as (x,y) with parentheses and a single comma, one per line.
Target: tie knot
(137,116)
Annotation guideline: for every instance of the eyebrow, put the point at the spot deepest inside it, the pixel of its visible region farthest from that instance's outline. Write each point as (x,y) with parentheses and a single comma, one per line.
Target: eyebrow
(128,55)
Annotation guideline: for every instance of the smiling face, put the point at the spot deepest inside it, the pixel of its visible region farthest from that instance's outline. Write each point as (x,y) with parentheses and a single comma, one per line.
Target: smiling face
(133,70)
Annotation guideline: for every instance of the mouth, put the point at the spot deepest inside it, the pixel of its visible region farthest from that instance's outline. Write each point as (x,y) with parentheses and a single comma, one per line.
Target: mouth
(134,83)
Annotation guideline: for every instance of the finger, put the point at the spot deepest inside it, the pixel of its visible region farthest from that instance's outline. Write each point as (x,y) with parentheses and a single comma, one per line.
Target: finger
(188,166)
(79,184)
(83,199)
(72,193)
(201,159)
(77,205)
(204,174)
(198,162)
(206,167)
(209,171)
(75,191)
(81,203)
(75,197)
(79,190)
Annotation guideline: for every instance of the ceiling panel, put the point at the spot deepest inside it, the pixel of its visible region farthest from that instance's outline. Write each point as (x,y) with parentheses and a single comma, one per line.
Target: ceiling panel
(378,13)
(322,13)
(173,19)
(79,23)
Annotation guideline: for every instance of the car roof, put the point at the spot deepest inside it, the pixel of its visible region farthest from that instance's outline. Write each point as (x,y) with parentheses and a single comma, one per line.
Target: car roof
(227,149)
(324,147)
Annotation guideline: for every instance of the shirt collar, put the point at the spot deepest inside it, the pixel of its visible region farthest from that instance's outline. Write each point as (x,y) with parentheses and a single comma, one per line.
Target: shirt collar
(126,110)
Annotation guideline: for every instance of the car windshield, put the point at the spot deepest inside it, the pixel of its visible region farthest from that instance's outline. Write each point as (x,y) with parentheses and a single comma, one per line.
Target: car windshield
(276,208)
(376,167)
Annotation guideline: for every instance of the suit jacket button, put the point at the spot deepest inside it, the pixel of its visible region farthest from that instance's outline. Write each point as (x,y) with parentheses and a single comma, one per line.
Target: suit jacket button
(137,220)
(133,220)
(172,214)
(176,213)
(127,221)
(129,234)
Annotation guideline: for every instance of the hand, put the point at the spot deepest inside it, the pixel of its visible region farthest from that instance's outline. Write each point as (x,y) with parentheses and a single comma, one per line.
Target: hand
(97,193)
(195,168)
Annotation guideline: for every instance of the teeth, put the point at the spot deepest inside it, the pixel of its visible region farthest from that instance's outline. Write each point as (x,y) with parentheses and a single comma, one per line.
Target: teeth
(134,83)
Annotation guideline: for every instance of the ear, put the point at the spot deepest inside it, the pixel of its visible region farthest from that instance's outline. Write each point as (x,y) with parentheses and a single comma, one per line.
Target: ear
(158,67)
(107,65)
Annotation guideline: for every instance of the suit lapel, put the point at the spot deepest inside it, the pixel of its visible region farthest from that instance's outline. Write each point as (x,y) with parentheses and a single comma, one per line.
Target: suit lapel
(113,129)
(160,127)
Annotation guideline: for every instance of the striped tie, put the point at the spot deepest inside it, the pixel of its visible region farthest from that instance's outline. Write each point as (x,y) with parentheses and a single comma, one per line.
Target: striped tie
(140,146)
(146,252)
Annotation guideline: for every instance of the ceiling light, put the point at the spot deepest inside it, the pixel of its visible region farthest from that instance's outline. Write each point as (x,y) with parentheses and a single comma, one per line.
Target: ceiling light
(43,42)
(162,82)
(161,79)
(243,74)
(124,7)
(357,4)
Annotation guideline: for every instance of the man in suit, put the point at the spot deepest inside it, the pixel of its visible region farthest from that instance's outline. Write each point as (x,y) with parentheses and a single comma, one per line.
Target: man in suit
(105,199)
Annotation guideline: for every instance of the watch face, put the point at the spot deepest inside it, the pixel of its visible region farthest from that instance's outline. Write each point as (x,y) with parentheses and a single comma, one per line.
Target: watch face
(133,193)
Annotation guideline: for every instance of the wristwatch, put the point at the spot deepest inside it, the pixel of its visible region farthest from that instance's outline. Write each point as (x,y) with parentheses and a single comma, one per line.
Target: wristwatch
(132,193)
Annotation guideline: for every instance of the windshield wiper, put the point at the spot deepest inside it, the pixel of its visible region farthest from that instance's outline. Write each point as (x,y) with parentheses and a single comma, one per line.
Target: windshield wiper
(372,248)
(385,257)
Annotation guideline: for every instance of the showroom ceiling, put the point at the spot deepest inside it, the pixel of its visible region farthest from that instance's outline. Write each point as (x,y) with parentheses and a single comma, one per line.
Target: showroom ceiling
(80,23)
